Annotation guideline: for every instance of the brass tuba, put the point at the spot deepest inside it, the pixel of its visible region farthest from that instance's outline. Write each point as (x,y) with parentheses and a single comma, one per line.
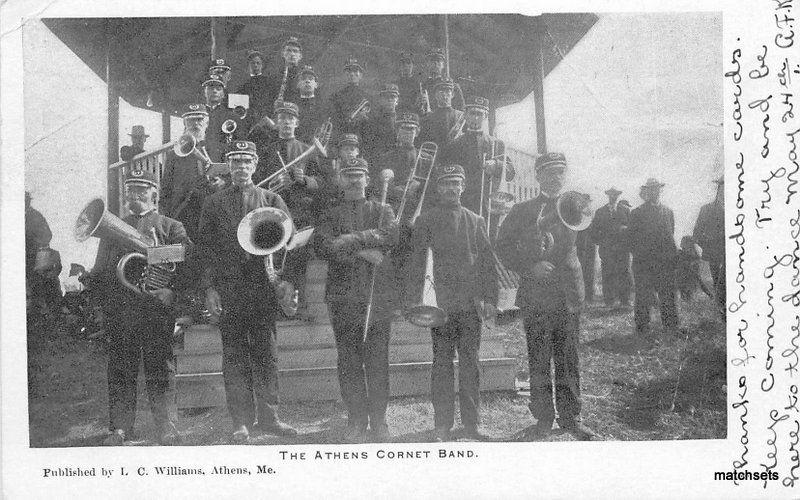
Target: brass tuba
(263,232)
(133,270)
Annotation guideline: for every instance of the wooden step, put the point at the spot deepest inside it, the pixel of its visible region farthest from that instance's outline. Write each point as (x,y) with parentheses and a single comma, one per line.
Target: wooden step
(325,355)
(321,384)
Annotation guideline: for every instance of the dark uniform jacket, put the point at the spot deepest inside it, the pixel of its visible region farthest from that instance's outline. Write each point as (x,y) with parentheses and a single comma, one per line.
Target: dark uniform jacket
(37,235)
(458,94)
(216,141)
(349,276)
(468,151)
(223,260)
(609,230)
(257,87)
(299,198)
(342,104)
(516,244)
(275,78)
(651,235)
(709,232)
(105,286)
(463,259)
(409,92)
(313,113)
(184,188)
(379,135)
(436,126)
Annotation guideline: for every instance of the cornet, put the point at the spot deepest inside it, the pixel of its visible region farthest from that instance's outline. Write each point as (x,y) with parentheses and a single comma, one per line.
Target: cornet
(426,101)
(187,145)
(324,132)
(228,128)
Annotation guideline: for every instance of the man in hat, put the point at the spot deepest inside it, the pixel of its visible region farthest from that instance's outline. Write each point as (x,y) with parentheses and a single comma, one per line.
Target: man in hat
(138,138)
(408,85)
(282,77)
(652,242)
(301,187)
(257,87)
(609,231)
(709,233)
(353,225)
(434,67)
(473,150)
(185,183)
(550,296)
(237,290)
(347,112)
(218,112)
(463,264)
(380,132)
(438,125)
(137,324)
(311,108)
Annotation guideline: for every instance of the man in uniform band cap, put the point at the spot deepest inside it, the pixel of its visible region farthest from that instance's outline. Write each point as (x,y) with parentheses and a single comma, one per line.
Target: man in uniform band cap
(610,232)
(218,112)
(311,108)
(652,242)
(435,66)
(437,125)
(407,84)
(463,264)
(346,101)
(138,324)
(184,183)
(550,296)
(220,68)
(238,291)
(356,224)
(380,128)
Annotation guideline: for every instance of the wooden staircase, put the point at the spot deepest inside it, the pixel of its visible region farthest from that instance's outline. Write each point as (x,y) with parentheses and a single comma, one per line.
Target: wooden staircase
(307,357)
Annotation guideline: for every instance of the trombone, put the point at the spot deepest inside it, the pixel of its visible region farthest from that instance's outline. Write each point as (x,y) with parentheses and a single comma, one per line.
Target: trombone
(277,181)
(426,158)
(362,106)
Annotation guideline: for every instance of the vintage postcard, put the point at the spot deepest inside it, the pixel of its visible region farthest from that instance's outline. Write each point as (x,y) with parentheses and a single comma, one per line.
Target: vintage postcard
(392,250)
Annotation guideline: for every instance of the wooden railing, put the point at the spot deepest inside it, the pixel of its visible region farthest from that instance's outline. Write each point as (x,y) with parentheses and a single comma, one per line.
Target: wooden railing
(149,161)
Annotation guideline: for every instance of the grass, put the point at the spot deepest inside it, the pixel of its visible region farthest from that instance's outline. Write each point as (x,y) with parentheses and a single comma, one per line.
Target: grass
(628,387)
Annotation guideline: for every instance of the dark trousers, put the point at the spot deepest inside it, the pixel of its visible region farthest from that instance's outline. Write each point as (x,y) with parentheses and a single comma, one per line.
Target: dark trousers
(718,275)
(553,335)
(294,270)
(586,256)
(616,270)
(658,278)
(132,336)
(249,359)
(363,367)
(462,333)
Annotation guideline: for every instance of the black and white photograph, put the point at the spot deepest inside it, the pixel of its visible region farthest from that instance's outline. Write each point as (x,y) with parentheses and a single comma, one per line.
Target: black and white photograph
(405,240)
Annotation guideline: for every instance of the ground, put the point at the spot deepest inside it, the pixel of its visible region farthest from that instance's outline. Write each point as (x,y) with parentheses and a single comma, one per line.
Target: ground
(661,388)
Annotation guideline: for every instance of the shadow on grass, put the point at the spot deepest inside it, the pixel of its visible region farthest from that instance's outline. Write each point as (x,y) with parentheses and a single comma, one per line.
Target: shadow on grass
(696,390)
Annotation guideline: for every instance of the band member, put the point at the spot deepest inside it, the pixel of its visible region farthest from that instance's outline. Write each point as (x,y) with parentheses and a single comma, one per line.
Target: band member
(256,87)
(138,138)
(473,150)
(184,183)
(363,364)
(218,112)
(301,188)
(137,324)
(434,67)
(550,295)
(709,232)
(283,78)
(610,231)
(380,132)
(464,273)
(436,126)
(311,108)
(407,84)
(237,290)
(348,113)
(652,242)
(400,159)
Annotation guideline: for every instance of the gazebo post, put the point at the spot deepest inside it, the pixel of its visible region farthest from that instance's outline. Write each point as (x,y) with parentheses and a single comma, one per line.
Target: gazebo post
(166,126)
(538,87)
(113,119)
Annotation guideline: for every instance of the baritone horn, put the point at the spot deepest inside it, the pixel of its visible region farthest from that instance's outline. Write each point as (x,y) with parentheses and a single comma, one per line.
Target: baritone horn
(229,126)
(573,211)
(427,314)
(133,270)
(263,232)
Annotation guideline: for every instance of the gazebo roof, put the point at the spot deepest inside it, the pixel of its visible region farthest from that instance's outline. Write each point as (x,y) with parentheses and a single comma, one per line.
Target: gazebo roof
(162,60)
